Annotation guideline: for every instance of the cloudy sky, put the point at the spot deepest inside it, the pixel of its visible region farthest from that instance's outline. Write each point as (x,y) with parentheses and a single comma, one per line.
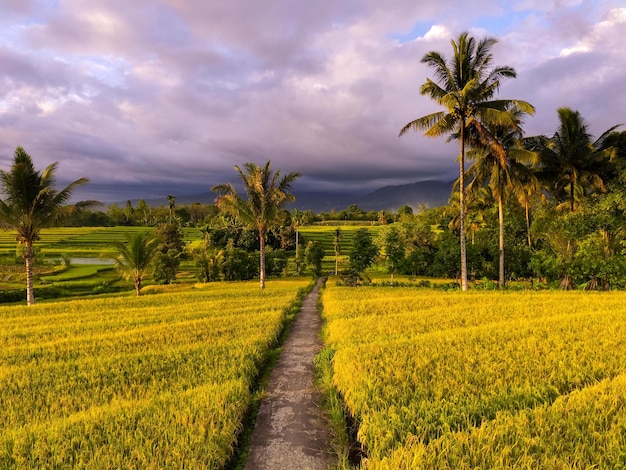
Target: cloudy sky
(151,97)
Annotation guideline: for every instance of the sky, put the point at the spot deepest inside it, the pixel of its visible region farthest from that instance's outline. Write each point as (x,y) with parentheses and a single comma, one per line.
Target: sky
(154,97)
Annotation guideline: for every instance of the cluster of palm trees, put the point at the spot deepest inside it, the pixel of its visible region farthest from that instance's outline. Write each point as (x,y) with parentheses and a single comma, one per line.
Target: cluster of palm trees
(490,133)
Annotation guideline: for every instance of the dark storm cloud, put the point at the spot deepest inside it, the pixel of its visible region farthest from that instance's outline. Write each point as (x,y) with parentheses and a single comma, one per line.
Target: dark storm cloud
(149,95)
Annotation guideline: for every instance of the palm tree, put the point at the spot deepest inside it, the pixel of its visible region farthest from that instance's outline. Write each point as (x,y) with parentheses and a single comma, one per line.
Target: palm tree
(31,203)
(135,255)
(571,162)
(296,219)
(494,168)
(336,245)
(526,190)
(465,88)
(171,203)
(267,193)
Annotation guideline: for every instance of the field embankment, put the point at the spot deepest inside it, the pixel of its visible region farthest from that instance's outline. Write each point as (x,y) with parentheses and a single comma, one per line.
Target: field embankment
(159,381)
(481,379)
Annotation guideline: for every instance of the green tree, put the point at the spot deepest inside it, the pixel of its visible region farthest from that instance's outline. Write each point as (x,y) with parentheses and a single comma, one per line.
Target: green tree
(209,264)
(393,248)
(314,256)
(171,203)
(571,162)
(135,255)
(267,193)
(465,87)
(363,251)
(30,203)
(494,165)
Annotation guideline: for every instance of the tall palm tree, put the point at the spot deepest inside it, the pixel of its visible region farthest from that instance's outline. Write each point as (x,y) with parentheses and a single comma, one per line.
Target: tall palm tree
(464,87)
(571,162)
(30,202)
(267,193)
(495,168)
(135,255)
(171,203)
(527,190)
(296,220)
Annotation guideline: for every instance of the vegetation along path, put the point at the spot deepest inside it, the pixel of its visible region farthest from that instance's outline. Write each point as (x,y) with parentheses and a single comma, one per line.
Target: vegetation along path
(291,431)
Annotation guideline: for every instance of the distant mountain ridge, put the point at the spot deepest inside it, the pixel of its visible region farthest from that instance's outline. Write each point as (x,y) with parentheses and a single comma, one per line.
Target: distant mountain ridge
(431,193)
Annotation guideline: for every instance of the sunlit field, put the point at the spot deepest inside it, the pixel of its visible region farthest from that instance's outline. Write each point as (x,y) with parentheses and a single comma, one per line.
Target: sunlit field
(438,379)
(158,381)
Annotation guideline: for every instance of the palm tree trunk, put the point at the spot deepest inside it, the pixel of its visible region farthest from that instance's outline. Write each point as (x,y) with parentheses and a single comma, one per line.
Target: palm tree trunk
(526,206)
(571,189)
(501,240)
(262,258)
(137,286)
(28,258)
(297,259)
(462,207)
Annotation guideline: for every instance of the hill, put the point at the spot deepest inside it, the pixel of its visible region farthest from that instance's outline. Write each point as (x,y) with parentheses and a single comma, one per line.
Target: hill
(430,193)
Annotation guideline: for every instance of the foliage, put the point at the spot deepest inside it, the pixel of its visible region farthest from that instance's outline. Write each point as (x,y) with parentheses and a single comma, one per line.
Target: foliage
(267,193)
(314,255)
(135,255)
(165,266)
(363,251)
(465,85)
(31,203)
(239,265)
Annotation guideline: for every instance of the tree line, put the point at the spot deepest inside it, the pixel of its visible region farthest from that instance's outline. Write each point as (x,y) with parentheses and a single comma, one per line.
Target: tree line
(557,200)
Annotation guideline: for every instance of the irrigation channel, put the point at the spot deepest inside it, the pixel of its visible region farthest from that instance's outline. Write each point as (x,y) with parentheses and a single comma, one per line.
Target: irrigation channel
(291,432)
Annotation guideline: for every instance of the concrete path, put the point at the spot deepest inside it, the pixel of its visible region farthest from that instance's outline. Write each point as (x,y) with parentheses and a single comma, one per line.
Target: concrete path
(290,430)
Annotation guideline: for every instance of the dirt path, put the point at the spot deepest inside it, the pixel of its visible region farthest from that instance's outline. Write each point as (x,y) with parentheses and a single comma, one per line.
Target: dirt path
(290,430)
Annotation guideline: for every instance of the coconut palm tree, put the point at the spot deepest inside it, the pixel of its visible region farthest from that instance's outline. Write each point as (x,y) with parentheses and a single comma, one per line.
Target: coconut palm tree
(30,203)
(296,220)
(135,255)
(495,168)
(267,193)
(464,87)
(571,162)
(171,203)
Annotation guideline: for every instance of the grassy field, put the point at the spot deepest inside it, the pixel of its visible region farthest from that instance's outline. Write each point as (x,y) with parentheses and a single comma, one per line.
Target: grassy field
(455,380)
(54,279)
(325,235)
(159,381)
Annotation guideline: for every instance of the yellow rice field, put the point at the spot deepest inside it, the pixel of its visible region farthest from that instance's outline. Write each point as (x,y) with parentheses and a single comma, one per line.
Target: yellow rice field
(159,381)
(481,379)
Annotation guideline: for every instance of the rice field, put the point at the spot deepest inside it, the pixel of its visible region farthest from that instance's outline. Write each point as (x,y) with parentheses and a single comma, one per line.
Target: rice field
(159,381)
(458,380)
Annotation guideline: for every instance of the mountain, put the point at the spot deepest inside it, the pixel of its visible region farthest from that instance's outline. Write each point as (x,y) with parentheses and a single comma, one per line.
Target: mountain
(430,193)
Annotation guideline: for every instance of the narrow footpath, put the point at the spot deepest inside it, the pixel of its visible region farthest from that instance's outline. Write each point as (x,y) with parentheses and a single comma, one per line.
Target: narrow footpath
(291,431)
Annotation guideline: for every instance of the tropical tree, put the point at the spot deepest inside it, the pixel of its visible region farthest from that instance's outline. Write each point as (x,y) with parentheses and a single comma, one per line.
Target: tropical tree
(337,234)
(571,162)
(296,220)
(314,256)
(494,168)
(134,256)
(267,193)
(363,251)
(464,87)
(171,203)
(30,203)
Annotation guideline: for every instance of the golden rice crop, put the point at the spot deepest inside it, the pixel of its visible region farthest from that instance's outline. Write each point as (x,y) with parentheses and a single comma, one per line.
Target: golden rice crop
(417,366)
(159,381)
